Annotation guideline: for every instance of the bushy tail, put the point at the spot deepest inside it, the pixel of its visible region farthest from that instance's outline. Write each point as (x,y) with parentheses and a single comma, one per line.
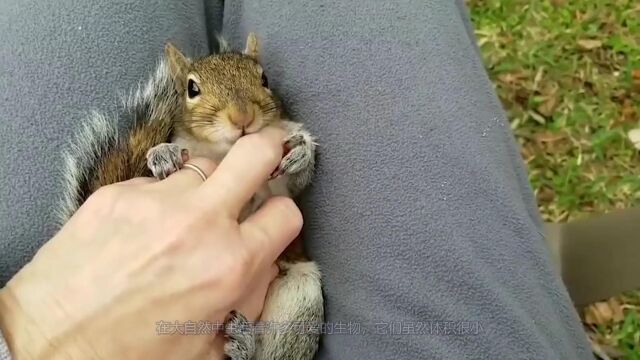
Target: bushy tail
(99,155)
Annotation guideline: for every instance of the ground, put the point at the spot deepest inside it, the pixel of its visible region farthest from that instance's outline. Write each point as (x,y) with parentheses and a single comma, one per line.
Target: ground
(568,74)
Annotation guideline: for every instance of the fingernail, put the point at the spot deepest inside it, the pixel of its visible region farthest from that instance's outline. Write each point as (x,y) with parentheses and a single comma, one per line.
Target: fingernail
(185,155)
(285,149)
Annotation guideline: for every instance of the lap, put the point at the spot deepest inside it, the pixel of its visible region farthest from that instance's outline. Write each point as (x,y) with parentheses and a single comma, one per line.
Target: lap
(421,212)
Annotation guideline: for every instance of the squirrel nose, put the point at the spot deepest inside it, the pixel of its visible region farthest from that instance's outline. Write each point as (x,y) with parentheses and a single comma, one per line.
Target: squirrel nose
(241,120)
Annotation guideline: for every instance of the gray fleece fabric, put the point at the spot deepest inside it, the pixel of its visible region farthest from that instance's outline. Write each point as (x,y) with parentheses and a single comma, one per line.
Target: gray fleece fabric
(421,216)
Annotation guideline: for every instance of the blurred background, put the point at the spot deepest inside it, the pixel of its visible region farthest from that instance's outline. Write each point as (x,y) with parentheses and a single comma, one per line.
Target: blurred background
(568,74)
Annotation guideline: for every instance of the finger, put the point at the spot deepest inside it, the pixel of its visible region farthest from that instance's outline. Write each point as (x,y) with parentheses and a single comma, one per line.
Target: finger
(271,229)
(244,169)
(189,178)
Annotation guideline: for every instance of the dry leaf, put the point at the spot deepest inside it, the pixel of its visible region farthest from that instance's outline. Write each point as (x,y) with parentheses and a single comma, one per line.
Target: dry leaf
(552,143)
(605,351)
(548,106)
(550,88)
(603,345)
(598,350)
(527,154)
(548,136)
(546,195)
(635,79)
(537,117)
(628,111)
(512,78)
(521,96)
(589,44)
(604,312)
(558,2)
(619,96)
(634,137)
(538,77)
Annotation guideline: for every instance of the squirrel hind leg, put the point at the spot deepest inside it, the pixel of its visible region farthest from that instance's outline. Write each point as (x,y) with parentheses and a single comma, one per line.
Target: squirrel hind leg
(293,314)
(241,339)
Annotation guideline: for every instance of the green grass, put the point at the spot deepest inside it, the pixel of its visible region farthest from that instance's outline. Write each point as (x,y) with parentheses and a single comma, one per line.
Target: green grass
(568,74)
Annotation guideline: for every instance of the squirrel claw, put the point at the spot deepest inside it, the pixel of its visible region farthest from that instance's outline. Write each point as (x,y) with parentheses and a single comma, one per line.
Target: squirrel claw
(165,159)
(279,171)
(276,173)
(240,338)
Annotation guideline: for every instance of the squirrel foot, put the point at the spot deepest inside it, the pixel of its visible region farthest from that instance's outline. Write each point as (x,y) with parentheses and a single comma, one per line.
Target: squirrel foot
(165,159)
(301,148)
(298,162)
(241,341)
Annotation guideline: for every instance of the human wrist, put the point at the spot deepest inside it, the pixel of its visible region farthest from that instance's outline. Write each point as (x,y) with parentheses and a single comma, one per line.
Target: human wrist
(23,338)
(28,322)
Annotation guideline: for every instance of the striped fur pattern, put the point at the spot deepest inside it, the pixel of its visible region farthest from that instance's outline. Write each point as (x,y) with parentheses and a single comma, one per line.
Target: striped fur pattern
(100,155)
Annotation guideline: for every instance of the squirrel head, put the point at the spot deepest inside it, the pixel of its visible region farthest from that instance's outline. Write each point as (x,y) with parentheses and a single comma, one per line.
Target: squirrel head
(226,95)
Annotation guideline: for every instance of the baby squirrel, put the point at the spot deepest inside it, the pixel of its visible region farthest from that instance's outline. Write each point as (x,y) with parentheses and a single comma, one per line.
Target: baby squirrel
(200,108)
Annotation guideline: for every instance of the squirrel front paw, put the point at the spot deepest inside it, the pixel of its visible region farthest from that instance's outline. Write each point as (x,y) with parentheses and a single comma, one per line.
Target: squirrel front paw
(300,157)
(240,343)
(165,159)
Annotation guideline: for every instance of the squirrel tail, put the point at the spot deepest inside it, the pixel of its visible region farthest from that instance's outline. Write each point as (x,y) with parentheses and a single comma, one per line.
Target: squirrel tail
(100,155)
(294,300)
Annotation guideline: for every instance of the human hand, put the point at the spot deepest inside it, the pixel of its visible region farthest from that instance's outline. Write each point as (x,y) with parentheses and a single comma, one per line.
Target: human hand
(144,251)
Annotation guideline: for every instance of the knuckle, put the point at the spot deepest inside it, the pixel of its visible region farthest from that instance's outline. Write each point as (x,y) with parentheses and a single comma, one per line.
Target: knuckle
(293,213)
(289,217)
(104,200)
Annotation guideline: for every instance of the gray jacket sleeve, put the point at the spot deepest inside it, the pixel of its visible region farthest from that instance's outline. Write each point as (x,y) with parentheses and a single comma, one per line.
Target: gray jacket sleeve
(4,349)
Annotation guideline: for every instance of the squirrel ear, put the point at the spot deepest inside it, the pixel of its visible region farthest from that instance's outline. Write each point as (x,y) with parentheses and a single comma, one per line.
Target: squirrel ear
(178,65)
(252,47)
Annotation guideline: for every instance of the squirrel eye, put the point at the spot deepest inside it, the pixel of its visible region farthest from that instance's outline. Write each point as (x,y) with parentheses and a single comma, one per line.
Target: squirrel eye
(192,89)
(265,82)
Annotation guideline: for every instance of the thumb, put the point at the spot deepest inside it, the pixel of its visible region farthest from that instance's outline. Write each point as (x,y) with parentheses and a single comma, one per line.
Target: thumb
(271,229)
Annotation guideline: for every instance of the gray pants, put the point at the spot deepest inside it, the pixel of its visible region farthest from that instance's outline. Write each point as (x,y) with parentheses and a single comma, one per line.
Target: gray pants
(421,216)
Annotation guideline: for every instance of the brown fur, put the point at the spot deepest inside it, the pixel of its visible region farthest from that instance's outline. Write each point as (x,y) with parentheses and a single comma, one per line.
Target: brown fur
(128,160)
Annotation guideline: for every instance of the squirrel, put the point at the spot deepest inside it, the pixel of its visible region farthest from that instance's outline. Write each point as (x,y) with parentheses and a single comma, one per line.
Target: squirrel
(200,107)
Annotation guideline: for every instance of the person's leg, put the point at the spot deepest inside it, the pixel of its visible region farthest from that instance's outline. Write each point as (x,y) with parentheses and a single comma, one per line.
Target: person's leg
(420,215)
(58,61)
